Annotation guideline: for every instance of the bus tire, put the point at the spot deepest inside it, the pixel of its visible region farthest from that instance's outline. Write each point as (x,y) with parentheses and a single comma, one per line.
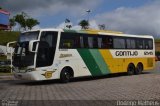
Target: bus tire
(139,68)
(65,75)
(131,69)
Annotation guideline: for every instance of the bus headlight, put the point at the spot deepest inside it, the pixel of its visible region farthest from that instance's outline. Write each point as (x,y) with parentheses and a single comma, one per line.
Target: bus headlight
(30,70)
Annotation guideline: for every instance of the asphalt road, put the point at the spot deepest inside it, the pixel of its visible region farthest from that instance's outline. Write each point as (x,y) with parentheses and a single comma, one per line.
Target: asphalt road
(84,90)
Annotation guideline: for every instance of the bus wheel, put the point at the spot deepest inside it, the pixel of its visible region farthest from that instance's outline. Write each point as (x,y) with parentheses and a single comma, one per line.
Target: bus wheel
(131,69)
(65,76)
(139,69)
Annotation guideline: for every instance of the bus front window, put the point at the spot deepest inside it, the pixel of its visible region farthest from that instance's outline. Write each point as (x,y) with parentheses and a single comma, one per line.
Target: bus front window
(22,56)
(28,36)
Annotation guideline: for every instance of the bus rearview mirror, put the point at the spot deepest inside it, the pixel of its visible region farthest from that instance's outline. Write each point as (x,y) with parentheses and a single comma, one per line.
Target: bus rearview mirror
(33,45)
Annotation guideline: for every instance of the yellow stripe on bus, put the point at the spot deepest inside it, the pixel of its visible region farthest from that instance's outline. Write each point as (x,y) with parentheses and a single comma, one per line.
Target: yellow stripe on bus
(117,65)
(107,56)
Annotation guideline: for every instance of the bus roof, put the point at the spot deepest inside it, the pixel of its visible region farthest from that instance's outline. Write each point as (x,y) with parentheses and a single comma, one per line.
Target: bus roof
(99,32)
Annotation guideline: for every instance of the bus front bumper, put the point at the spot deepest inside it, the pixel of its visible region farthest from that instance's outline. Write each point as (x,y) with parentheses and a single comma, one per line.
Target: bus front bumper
(25,76)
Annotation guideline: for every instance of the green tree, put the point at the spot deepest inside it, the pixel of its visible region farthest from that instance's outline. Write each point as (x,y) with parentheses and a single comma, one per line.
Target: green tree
(12,22)
(0,8)
(30,23)
(84,24)
(102,26)
(25,21)
(20,19)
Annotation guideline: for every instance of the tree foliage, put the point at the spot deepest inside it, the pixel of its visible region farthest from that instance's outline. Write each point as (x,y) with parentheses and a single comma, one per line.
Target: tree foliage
(30,23)
(20,19)
(12,22)
(102,26)
(25,21)
(84,24)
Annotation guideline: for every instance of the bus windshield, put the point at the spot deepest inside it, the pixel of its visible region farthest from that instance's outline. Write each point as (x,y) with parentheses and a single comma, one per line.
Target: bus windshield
(28,36)
(23,57)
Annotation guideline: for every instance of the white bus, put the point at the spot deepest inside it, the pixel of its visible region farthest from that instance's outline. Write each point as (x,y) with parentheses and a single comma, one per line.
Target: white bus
(62,54)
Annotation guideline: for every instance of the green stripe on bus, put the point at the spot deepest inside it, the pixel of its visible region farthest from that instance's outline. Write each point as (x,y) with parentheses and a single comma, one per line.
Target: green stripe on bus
(81,31)
(66,30)
(99,61)
(90,62)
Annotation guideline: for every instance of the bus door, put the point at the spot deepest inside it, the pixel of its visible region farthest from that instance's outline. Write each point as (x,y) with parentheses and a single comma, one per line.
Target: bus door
(46,49)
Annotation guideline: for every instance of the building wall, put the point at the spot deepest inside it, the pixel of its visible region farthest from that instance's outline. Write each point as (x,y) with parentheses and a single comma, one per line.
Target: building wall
(157,44)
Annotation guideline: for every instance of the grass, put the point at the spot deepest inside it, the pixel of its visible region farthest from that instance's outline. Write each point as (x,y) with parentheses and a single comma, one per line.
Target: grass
(8,36)
(5,74)
(157,40)
(2,58)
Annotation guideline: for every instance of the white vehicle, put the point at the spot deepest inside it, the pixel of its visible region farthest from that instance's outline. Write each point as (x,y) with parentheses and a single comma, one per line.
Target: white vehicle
(61,54)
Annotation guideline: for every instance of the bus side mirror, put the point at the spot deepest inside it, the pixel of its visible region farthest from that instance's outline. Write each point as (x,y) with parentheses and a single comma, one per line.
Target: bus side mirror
(33,45)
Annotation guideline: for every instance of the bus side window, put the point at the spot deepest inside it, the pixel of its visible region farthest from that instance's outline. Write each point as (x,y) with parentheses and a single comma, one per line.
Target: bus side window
(66,41)
(110,43)
(77,41)
(66,44)
(128,42)
(139,43)
(131,44)
(95,42)
(70,40)
(119,43)
(81,42)
(85,40)
(105,42)
(100,43)
(148,44)
(90,42)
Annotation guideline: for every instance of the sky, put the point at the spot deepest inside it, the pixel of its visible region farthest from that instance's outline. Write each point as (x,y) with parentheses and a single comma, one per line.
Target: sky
(128,16)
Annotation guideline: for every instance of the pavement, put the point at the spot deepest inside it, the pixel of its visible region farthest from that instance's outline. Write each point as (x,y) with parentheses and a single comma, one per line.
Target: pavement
(83,91)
